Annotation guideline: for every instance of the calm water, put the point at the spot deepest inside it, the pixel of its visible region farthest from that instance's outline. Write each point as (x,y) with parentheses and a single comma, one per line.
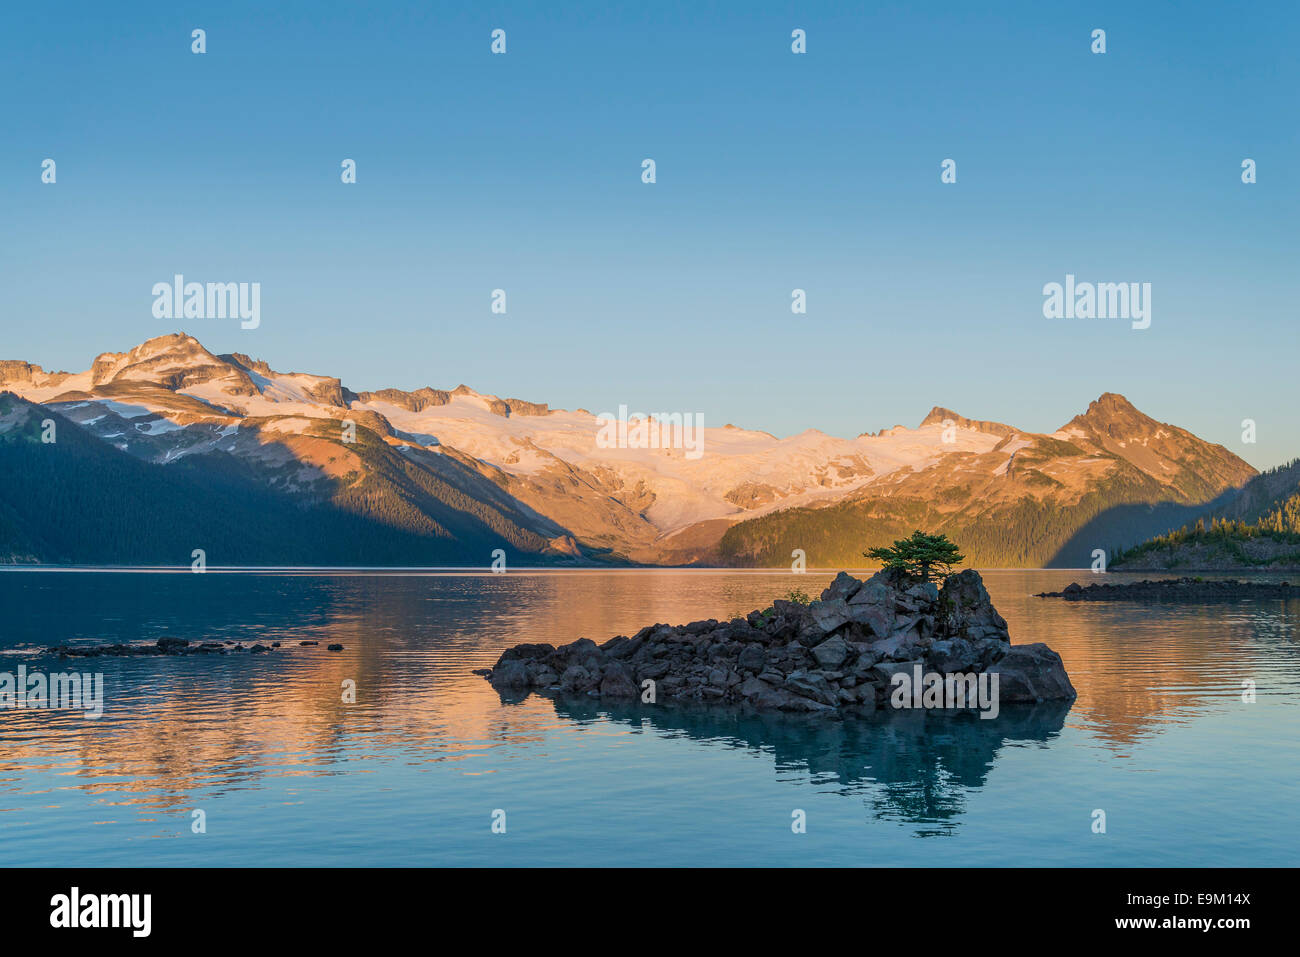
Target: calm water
(410,774)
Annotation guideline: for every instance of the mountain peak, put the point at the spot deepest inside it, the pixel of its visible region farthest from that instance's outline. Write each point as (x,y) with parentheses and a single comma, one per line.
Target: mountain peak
(937,416)
(1111,412)
(941,416)
(1112,402)
(171,351)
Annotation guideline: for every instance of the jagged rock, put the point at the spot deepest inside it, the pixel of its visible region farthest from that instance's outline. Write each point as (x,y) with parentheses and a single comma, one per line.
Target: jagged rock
(872,593)
(830,614)
(875,619)
(966,605)
(844,587)
(811,685)
(831,652)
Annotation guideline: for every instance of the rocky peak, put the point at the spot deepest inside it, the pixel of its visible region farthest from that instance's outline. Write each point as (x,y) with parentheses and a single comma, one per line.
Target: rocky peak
(1172,456)
(173,361)
(939,415)
(1112,414)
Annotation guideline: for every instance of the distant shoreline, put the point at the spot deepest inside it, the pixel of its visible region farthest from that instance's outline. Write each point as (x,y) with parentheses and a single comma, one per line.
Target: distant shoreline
(1175,589)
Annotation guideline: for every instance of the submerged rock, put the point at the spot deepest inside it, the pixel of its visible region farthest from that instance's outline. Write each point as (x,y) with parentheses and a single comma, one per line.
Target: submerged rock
(836,655)
(169,647)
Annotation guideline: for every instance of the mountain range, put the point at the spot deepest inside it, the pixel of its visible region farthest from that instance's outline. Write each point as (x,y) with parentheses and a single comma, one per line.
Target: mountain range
(169,447)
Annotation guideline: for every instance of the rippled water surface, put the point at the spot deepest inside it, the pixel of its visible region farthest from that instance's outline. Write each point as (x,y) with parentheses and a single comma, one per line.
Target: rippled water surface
(286,773)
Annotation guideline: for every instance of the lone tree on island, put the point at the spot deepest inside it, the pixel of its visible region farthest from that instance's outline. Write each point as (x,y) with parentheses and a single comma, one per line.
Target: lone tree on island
(917,555)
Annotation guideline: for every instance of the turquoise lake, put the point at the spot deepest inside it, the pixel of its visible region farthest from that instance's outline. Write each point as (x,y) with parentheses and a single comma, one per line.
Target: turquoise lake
(286,773)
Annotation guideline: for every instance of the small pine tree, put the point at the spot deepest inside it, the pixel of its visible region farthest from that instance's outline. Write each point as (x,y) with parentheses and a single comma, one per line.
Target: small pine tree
(916,556)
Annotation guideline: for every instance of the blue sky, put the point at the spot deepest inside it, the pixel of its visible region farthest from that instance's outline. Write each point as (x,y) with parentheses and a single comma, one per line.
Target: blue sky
(775,171)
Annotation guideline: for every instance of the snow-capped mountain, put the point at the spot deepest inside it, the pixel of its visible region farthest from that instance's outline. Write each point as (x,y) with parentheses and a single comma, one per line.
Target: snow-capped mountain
(460,466)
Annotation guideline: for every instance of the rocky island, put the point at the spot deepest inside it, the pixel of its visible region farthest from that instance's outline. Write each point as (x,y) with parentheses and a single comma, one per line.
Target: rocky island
(836,655)
(1174,589)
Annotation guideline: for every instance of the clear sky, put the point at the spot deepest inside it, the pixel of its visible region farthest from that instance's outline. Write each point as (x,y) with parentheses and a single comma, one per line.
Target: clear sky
(818,171)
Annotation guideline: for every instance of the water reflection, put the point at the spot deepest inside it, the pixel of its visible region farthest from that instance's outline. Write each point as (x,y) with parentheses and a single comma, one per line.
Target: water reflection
(913,766)
(177,732)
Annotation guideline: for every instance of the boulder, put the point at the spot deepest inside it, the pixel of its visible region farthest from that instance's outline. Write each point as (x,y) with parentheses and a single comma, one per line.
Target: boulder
(808,684)
(1031,673)
(966,606)
(617,683)
(752,658)
(582,650)
(525,652)
(577,678)
(830,614)
(510,674)
(876,620)
(872,593)
(832,652)
(843,587)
